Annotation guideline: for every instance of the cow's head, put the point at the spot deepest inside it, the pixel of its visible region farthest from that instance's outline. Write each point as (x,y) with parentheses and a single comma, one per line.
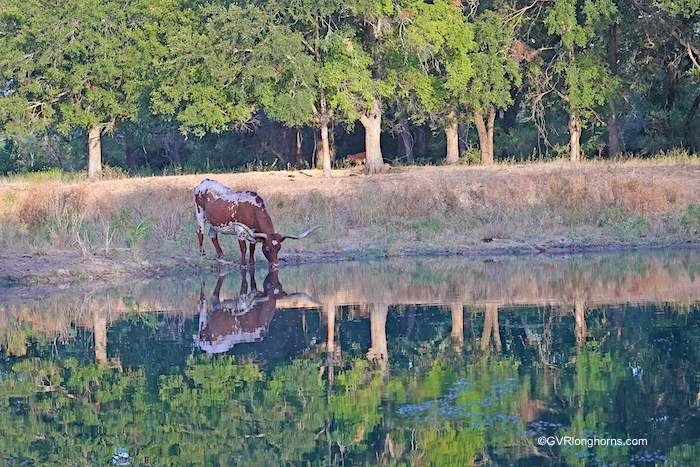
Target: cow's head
(271,245)
(272,242)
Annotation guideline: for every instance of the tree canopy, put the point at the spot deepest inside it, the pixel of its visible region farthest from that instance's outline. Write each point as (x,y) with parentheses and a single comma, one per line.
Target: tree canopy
(537,79)
(69,64)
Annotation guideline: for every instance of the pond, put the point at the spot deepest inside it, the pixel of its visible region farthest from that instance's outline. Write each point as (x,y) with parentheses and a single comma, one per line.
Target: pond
(573,360)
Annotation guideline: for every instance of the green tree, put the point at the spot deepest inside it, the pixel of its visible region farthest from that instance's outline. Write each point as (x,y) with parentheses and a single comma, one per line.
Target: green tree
(362,81)
(495,74)
(436,66)
(203,55)
(579,61)
(235,60)
(667,65)
(69,65)
(326,63)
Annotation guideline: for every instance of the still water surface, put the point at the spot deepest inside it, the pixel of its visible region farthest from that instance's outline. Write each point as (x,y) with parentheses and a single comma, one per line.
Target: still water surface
(427,361)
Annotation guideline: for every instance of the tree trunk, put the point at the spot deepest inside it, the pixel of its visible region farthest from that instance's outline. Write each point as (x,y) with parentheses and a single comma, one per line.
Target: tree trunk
(461,130)
(329,313)
(94,152)
(171,143)
(491,328)
(325,145)
(457,321)
(452,134)
(580,319)
(372,122)
(378,351)
(407,142)
(613,126)
(688,127)
(574,137)
(325,150)
(421,141)
(291,146)
(483,138)
(485,131)
(100,332)
(299,160)
(489,129)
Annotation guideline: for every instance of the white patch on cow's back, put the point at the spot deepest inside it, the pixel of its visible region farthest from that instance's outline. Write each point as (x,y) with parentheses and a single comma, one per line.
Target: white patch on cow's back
(220,191)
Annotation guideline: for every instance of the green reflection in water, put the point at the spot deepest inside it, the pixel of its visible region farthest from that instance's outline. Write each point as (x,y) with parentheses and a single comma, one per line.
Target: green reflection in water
(471,369)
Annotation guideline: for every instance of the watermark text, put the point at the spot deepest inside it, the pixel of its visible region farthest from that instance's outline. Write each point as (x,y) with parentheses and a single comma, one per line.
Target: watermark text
(589,442)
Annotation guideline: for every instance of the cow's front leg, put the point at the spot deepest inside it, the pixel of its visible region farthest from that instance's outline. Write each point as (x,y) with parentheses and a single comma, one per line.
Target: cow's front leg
(213,234)
(244,283)
(251,261)
(243,244)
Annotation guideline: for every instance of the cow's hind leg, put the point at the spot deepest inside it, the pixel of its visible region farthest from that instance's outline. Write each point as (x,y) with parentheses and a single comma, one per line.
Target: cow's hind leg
(213,234)
(201,220)
(200,236)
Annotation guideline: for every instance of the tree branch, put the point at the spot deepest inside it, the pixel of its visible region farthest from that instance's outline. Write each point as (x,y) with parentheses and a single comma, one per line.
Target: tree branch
(672,28)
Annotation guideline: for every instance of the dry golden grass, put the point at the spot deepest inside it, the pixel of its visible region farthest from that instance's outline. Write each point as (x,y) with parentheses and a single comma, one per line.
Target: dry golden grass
(406,209)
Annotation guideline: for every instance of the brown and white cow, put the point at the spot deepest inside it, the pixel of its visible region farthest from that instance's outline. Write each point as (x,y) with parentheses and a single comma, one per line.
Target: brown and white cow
(241,213)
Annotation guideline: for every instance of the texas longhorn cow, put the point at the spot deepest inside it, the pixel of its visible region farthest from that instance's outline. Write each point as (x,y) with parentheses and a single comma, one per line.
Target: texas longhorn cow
(241,213)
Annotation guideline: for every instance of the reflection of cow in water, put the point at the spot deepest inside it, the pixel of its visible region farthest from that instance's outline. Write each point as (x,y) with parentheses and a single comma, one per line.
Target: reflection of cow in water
(243,319)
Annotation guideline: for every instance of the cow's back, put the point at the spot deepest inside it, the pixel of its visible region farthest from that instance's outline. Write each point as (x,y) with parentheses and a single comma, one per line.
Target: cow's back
(221,205)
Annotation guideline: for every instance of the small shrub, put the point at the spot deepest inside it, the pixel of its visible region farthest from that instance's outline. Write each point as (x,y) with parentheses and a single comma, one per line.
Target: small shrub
(471,155)
(42,176)
(133,232)
(690,221)
(612,215)
(427,224)
(631,229)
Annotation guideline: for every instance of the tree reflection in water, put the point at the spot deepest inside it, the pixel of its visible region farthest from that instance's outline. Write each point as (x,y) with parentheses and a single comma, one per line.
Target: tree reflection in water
(421,362)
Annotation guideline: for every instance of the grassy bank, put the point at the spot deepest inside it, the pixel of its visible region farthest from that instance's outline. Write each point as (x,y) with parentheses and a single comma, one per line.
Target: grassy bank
(125,222)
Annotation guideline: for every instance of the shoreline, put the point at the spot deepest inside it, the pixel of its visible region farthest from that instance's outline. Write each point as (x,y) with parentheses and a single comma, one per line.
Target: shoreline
(47,274)
(60,234)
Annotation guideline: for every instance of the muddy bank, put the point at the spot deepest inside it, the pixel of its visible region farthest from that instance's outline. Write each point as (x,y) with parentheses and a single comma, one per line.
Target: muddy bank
(36,275)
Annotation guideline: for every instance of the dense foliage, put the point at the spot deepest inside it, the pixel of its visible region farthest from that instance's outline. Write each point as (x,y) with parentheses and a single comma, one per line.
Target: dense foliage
(201,86)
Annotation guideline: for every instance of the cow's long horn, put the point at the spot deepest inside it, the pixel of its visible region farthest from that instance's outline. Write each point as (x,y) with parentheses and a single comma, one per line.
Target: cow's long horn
(302,235)
(250,236)
(298,295)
